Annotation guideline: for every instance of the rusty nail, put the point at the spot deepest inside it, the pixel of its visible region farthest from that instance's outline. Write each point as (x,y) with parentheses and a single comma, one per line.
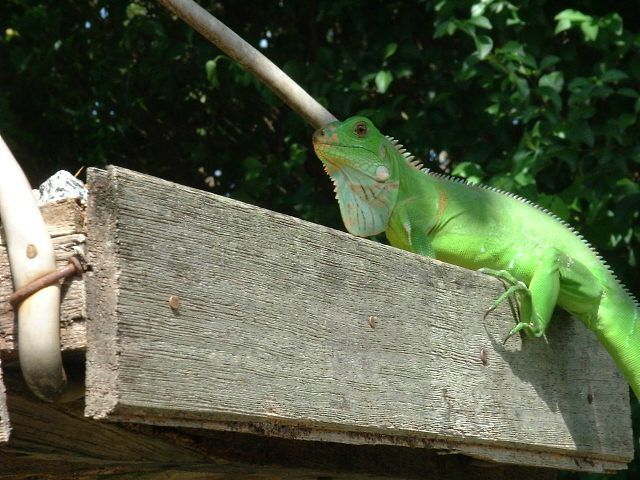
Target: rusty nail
(74,267)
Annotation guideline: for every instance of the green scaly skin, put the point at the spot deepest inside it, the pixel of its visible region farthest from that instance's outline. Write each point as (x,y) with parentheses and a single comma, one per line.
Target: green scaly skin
(546,263)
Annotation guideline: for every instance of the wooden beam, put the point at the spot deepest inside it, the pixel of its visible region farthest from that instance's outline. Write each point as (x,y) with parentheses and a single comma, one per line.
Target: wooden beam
(59,432)
(55,441)
(206,312)
(65,223)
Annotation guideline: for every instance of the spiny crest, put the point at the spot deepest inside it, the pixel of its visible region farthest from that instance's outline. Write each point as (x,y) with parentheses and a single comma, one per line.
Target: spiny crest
(408,157)
(333,181)
(416,164)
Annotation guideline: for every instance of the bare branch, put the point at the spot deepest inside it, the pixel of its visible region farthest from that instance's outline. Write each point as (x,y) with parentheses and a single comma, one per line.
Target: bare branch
(255,62)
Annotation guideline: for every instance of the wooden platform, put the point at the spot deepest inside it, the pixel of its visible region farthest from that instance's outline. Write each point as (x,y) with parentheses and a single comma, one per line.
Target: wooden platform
(226,324)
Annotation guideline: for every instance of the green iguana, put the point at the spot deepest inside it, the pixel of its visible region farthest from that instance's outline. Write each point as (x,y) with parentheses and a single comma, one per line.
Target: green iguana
(381,188)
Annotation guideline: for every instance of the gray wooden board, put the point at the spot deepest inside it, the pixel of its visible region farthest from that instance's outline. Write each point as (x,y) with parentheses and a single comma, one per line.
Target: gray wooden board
(322,335)
(65,224)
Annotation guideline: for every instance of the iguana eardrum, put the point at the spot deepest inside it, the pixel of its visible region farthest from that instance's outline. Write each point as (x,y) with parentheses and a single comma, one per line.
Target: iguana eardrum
(380,188)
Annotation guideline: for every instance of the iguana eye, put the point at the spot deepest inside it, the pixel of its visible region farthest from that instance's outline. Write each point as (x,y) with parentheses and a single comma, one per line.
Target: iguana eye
(360,129)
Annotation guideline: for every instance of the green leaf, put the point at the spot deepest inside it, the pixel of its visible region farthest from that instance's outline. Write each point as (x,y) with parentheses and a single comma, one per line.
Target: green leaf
(390,49)
(614,75)
(573,16)
(480,22)
(568,18)
(553,80)
(579,83)
(524,178)
(478,9)
(628,92)
(522,86)
(529,61)
(512,48)
(555,204)
(590,30)
(252,164)
(601,91)
(612,22)
(440,5)
(469,170)
(383,80)
(135,10)
(553,97)
(468,68)
(445,28)
(548,61)
(211,70)
(484,45)
(562,26)
(586,135)
(493,109)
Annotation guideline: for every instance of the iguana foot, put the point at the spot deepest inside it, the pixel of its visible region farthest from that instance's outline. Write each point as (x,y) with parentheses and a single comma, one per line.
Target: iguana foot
(516,286)
(527,327)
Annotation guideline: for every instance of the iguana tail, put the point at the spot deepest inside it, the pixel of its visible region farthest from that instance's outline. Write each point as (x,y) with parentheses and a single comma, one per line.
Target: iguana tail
(618,328)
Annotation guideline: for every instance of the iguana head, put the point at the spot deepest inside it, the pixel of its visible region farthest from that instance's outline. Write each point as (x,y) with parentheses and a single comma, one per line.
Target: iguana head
(361,163)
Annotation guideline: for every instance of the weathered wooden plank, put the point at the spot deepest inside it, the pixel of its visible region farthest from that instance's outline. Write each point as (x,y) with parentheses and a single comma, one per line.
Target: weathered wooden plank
(298,330)
(5,425)
(65,223)
(59,432)
(55,441)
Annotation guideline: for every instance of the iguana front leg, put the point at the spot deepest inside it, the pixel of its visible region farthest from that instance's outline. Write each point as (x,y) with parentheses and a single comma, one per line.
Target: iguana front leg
(410,232)
(557,275)
(421,243)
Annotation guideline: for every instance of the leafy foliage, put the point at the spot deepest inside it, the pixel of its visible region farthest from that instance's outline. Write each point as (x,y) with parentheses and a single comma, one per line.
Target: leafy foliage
(540,98)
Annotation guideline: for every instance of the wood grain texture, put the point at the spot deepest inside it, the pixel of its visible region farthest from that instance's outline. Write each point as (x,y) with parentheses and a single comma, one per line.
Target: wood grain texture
(65,223)
(301,331)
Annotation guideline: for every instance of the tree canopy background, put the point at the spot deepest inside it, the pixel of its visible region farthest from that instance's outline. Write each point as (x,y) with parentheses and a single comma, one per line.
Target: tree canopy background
(539,97)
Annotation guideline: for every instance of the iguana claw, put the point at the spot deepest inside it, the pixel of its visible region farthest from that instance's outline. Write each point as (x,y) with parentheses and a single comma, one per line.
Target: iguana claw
(520,326)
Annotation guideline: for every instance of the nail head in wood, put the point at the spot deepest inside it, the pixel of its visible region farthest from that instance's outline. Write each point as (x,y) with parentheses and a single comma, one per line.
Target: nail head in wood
(174,302)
